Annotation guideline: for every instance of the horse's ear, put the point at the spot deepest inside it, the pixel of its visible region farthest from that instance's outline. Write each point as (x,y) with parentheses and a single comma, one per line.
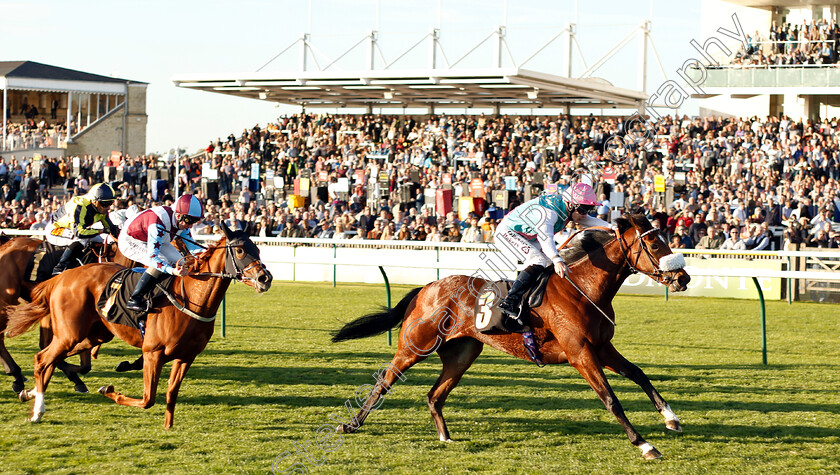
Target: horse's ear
(623,224)
(225,229)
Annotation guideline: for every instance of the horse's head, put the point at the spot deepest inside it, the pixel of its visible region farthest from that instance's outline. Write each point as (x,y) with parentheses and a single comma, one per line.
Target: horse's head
(647,251)
(243,260)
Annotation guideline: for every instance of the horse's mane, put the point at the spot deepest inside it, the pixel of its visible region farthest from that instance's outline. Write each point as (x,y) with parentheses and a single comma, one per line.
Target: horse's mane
(584,243)
(591,240)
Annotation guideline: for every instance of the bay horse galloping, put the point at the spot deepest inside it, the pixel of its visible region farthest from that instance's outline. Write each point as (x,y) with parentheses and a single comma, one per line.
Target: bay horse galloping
(568,326)
(172,334)
(15,256)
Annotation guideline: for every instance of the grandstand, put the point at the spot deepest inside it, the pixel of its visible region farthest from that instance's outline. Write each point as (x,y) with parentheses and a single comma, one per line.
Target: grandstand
(54,111)
(788,66)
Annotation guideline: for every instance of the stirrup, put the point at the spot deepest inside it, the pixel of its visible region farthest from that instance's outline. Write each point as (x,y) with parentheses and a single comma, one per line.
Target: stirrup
(514,324)
(138,305)
(509,308)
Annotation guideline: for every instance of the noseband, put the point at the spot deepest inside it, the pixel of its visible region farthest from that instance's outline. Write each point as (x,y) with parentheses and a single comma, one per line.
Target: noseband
(658,274)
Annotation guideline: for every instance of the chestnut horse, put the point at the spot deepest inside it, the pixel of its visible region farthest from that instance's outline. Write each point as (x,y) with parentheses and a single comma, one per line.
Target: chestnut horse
(567,326)
(15,255)
(175,333)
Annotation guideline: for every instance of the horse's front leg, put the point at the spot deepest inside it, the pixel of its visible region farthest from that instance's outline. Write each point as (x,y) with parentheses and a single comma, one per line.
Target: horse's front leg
(614,361)
(152,364)
(586,361)
(179,370)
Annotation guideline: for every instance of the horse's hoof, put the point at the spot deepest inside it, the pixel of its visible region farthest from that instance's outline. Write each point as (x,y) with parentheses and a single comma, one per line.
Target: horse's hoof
(35,419)
(104,390)
(17,387)
(124,366)
(81,388)
(24,396)
(673,425)
(652,454)
(344,429)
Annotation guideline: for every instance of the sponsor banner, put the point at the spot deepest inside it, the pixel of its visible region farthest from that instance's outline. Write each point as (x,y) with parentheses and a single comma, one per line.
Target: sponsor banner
(715,286)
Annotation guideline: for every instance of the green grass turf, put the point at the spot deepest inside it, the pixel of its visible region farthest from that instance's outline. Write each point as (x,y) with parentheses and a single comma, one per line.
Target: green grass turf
(275,379)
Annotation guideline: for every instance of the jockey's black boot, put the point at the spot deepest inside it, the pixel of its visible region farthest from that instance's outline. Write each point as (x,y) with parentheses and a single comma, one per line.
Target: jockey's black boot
(511,305)
(137,302)
(72,252)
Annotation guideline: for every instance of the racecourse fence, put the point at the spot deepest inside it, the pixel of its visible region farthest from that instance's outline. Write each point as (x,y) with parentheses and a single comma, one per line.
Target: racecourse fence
(794,275)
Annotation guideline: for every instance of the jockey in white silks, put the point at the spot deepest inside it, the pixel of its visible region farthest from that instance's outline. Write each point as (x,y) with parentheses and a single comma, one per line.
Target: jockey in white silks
(526,235)
(146,238)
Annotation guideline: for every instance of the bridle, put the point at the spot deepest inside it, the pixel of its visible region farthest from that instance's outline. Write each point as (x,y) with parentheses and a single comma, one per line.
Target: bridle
(230,261)
(238,273)
(657,274)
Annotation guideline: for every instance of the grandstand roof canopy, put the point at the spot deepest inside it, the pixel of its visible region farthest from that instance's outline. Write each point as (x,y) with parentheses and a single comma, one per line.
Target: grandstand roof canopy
(31,75)
(766,4)
(491,88)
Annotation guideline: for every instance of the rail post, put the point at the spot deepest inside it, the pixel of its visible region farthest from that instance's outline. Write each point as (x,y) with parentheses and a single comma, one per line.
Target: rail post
(763,322)
(224,314)
(437,260)
(387,296)
(789,284)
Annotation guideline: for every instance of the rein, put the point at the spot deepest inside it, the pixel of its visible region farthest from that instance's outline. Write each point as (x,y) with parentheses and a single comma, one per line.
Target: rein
(239,276)
(655,275)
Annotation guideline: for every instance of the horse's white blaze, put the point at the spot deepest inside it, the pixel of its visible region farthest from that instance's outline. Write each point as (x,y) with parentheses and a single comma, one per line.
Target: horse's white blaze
(646,447)
(669,414)
(671,262)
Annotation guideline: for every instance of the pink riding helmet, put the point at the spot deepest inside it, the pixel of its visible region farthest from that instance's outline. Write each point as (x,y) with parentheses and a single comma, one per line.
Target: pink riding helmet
(580,194)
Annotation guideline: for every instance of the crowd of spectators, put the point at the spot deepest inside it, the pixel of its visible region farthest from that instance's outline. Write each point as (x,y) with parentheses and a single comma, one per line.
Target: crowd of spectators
(814,42)
(750,183)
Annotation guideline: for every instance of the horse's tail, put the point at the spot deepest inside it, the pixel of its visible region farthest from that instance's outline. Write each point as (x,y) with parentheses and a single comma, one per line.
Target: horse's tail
(377,322)
(22,317)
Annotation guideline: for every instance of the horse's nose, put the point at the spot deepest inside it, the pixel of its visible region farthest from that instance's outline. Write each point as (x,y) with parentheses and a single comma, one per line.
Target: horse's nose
(683,280)
(264,278)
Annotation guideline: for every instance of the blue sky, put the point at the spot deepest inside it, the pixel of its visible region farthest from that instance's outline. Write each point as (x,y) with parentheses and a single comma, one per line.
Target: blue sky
(153,40)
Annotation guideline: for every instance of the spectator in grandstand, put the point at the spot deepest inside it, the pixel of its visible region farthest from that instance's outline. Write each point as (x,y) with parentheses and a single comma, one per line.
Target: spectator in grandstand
(376,232)
(710,238)
(325,230)
(41,221)
(760,238)
(473,233)
(686,242)
(734,241)
(291,230)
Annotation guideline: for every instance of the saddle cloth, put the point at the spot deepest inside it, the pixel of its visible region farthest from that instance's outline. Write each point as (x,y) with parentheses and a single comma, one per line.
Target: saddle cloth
(489,319)
(42,262)
(111,304)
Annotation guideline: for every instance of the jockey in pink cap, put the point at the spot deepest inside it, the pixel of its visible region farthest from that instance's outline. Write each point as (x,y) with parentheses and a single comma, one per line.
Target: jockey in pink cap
(526,235)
